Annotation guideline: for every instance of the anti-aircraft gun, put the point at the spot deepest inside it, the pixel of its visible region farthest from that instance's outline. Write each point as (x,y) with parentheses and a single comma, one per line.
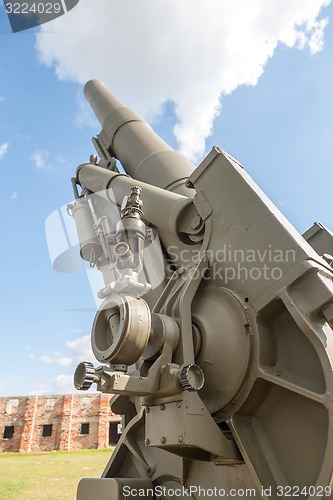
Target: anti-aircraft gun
(215,330)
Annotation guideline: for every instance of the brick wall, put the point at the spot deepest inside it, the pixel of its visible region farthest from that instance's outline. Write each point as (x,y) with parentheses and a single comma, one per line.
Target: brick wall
(45,423)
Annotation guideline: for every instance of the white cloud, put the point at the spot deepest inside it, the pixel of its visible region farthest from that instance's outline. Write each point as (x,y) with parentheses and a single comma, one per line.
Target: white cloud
(57,358)
(14,195)
(190,52)
(46,359)
(2,98)
(44,162)
(64,361)
(41,160)
(81,349)
(41,391)
(85,116)
(316,39)
(63,384)
(3,149)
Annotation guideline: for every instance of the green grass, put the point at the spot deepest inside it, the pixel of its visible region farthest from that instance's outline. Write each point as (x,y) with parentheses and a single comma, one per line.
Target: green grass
(50,475)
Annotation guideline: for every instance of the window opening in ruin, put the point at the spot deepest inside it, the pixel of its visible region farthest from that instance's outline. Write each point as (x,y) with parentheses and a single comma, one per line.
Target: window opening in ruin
(84,428)
(114,435)
(86,402)
(49,404)
(47,430)
(8,432)
(11,406)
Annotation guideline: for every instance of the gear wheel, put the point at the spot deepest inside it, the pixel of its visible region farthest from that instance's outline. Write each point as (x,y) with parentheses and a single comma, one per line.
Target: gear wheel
(84,376)
(191,377)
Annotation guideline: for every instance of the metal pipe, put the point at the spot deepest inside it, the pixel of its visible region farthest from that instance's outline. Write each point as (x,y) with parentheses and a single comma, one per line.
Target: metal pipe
(173,209)
(142,153)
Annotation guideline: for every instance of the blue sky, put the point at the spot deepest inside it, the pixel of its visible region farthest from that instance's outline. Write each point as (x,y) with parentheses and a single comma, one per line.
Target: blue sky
(279,126)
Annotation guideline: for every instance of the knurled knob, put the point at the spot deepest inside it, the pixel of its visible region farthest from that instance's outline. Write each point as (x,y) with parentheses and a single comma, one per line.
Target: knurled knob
(191,377)
(84,376)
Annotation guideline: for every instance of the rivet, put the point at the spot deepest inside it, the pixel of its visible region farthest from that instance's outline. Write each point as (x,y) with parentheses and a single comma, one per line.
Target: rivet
(147,441)
(162,407)
(180,439)
(162,440)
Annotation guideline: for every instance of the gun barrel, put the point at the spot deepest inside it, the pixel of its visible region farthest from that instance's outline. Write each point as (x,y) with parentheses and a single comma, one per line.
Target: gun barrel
(142,153)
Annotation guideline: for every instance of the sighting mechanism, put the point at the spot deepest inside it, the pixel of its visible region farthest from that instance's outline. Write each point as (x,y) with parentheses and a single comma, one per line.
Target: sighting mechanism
(128,248)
